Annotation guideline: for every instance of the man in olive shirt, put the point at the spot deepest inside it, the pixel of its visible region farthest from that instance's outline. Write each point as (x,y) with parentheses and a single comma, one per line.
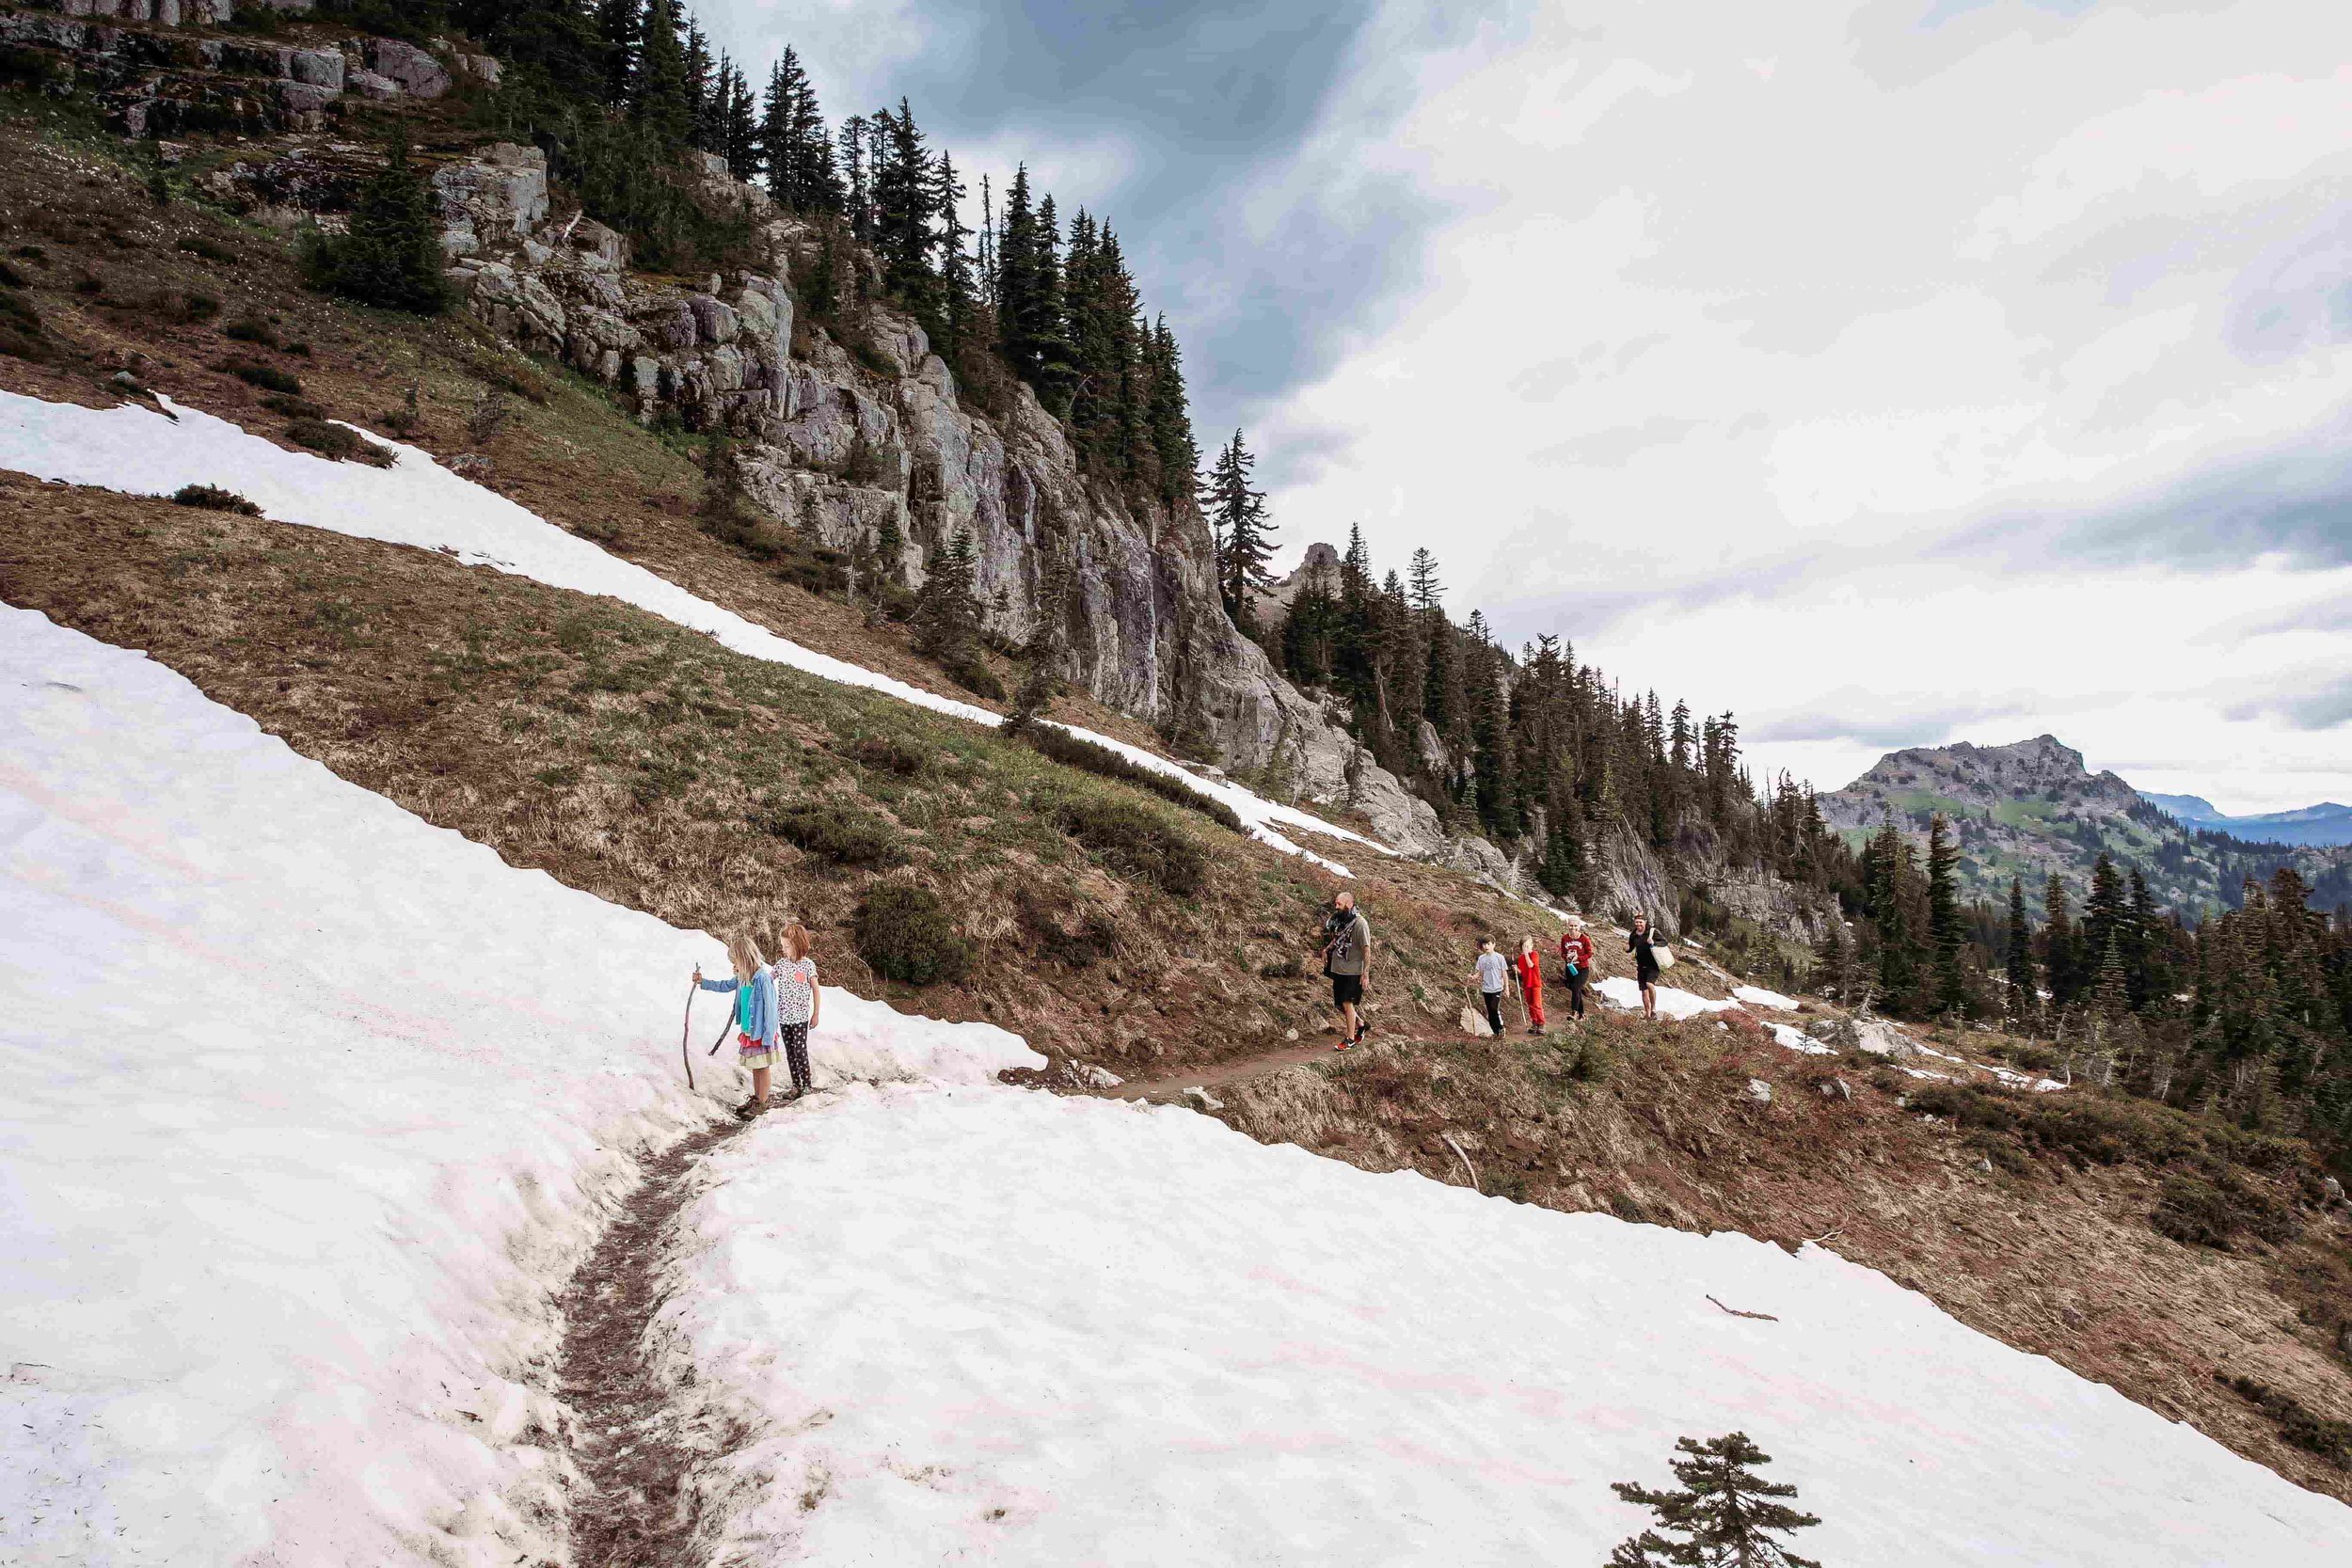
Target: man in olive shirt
(1347,959)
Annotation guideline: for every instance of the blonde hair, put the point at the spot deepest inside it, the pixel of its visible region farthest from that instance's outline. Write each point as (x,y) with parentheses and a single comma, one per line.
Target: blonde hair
(1526,942)
(792,942)
(743,953)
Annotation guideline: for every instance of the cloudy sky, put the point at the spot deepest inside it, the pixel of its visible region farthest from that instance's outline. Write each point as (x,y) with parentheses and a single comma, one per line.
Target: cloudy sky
(1887,373)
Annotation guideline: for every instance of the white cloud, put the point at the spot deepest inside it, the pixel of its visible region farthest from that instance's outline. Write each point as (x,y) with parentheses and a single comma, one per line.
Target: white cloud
(1693,321)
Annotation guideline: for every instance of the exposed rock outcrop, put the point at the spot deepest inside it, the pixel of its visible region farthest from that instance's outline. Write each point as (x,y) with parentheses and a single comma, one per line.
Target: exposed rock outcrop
(875,455)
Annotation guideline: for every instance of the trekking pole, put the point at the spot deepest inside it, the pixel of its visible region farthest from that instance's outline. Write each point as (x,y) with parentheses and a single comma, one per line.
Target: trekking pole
(684,1030)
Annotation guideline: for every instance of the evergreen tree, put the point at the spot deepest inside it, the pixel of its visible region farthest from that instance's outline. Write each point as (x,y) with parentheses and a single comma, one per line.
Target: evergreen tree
(1946,931)
(742,127)
(705,109)
(1237,517)
(2059,960)
(958,293)
(2024,1004)
(905,201)
(1172,420)
(618,29)
(662,95)
(946,616)
(1724,1514)
(391,253)
(1427,592)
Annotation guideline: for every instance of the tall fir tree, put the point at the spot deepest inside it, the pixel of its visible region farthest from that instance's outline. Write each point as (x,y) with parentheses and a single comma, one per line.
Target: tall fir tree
(1946,931)
(1237,517)
(661,96)
(2023,1006)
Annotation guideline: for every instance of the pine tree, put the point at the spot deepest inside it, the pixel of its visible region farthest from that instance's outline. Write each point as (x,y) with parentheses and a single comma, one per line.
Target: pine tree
(2024,1003)
(661,93)
(2059,961)
(705,131)
(1427,592)
(742,127)
(1723,1514)
(1946,932)
(1237,517)
(618,29)
(1170,415)
(391,253)
(905,198)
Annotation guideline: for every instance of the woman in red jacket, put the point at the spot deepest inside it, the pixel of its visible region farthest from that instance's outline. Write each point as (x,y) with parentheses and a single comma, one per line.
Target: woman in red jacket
(1575,962)
(1530,965)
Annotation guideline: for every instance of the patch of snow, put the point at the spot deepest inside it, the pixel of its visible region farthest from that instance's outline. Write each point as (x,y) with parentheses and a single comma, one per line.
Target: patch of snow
(1797,1039)
(1923,1072)
(989,1325)
(1756,996)
(310,1106)
(138,451)
(1619,990)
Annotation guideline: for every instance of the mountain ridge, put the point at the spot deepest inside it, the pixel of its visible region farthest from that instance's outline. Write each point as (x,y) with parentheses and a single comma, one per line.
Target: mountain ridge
(2033,809)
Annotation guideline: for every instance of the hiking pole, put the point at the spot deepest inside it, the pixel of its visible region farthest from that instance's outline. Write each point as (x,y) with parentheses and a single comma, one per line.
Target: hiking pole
(685,1029)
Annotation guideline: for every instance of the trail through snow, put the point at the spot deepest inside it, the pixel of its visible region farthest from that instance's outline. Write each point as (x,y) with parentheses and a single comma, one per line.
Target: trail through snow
(313,1106)
(309,1108)
(134,449)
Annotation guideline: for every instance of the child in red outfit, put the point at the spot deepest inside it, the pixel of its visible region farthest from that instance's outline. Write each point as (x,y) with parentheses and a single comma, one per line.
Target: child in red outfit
(1530,965)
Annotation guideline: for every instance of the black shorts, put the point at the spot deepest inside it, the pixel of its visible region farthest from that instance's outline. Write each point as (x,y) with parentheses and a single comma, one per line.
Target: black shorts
(1346,988)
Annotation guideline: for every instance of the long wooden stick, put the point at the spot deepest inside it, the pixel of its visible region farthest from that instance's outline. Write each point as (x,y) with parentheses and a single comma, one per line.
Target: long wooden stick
(687,1028)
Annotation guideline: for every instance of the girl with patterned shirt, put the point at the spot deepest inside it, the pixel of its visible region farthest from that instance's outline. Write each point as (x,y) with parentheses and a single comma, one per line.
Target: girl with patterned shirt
(799,1000)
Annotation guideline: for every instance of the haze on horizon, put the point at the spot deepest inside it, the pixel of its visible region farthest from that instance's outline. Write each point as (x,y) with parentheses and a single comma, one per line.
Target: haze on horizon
(1888,374)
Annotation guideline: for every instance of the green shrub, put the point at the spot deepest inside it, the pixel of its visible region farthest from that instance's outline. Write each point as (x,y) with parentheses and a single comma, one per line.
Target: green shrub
(294,408)
(21,333)
(1133,841)
(2314,1433)
(268,377)
(1074,752)
(196,306)
(246,330)
(390,255)
(971,672)
(212,250)
(335,442)
(885,756)
(212,498)
(2211,1210)
(905,933)
(841,833)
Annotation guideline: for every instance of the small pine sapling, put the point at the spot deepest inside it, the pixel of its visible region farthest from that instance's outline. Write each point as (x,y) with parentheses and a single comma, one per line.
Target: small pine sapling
(1723,1516)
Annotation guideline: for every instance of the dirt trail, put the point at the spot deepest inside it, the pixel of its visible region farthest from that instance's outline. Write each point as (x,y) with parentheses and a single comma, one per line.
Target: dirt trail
(1321,1048)
(630,1439)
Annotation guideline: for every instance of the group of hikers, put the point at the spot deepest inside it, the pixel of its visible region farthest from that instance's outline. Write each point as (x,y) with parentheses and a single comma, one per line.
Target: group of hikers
(1346,955)
(776,1005)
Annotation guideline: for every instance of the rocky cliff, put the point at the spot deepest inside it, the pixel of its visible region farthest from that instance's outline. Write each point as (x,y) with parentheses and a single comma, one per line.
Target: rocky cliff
(862,451)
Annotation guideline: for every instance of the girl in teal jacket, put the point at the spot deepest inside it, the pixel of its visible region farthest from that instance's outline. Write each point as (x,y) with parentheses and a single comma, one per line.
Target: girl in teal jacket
(753,985)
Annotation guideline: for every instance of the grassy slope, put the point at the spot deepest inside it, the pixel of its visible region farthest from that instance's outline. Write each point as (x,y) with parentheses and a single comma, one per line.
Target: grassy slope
(644,763)
(640,763)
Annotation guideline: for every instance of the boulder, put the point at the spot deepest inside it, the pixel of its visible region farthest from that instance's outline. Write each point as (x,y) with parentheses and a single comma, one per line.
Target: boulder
(498,196)
(319,68)
(714,321)
(367,84)
(1759,1092)
(412,70)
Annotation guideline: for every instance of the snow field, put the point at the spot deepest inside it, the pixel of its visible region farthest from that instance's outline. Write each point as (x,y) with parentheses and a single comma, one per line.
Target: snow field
(1756,996)
(310,1107)
(993,1325)
(136,450)
(1621,991)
